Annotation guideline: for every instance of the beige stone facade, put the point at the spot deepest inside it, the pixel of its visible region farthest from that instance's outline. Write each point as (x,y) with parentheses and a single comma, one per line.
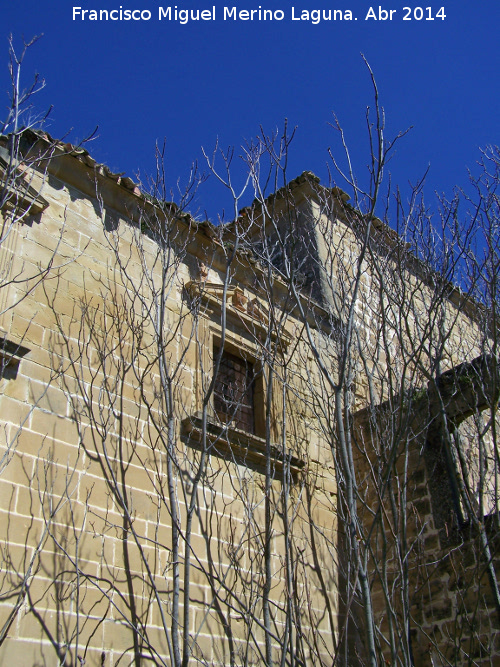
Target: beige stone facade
(87,519)
(169,483)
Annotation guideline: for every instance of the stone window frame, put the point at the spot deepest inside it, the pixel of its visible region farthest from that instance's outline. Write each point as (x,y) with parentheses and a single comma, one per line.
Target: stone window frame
(22,197)
(246,321)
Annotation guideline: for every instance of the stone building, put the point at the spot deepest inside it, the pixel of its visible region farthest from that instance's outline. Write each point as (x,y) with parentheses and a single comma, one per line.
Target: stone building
(231,445)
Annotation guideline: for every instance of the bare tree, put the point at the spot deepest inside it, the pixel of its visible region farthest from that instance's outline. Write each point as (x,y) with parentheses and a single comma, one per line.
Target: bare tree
(399,320)
(269,441)
(186,477)
(25,153)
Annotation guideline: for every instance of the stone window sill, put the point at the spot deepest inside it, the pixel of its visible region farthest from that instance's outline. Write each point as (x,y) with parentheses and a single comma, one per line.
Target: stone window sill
(244,448)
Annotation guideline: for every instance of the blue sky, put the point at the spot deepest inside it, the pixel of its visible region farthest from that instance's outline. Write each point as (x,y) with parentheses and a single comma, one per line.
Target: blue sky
(146,81)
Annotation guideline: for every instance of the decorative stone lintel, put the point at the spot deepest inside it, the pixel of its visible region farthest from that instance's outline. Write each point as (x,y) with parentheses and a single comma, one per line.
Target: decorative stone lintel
(252,315)
(19,195)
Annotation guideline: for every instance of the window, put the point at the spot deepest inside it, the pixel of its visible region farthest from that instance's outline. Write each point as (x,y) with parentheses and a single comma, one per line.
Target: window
(235,426)
(234,391)
(10,356)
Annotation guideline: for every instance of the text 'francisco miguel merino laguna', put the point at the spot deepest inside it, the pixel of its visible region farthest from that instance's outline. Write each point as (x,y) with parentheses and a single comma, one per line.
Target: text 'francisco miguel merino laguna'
(184,16)
(315,16)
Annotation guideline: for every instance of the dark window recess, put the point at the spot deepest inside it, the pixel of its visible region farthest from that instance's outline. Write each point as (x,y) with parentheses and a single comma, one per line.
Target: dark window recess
(234,392)
(10,358)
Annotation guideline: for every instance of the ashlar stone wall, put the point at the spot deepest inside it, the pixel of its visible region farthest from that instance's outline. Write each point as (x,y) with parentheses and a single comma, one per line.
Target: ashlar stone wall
(118,484)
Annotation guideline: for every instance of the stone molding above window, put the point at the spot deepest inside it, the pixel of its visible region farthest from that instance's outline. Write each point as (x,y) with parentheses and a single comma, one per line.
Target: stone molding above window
(19,196)
(24,201)
(251,314)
